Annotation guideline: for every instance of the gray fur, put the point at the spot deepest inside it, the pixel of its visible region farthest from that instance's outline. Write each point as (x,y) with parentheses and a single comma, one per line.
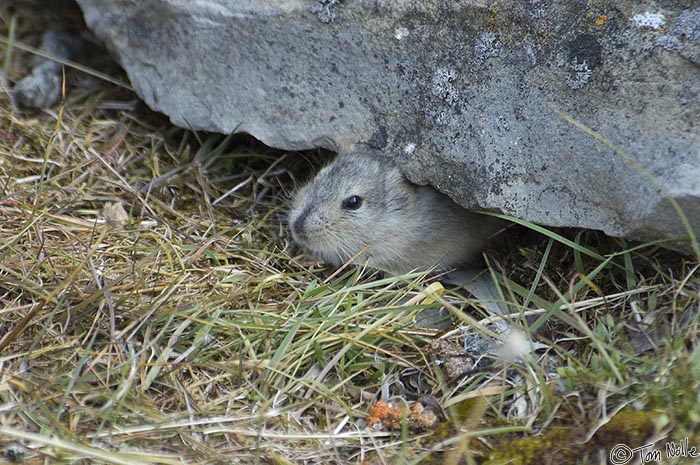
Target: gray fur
(400,226)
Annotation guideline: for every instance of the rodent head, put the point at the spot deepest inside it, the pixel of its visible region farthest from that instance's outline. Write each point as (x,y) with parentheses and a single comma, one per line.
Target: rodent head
(355,204)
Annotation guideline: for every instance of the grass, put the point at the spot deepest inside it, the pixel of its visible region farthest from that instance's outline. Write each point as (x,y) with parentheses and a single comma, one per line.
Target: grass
(153,310)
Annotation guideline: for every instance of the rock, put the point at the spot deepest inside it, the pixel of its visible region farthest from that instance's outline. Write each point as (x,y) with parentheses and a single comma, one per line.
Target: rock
(462,93)
(42,88)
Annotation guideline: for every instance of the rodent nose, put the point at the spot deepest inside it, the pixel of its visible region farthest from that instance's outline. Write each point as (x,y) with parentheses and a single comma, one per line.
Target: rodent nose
(298,225)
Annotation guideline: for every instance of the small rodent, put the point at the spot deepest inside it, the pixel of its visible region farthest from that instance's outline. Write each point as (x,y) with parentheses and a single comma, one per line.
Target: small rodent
(361,202)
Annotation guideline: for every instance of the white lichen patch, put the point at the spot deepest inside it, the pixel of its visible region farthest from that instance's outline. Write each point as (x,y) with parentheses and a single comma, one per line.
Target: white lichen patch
(487,46)
(400,33)
(530,53)
(443,85)
(409,148)
(580,74)
(325,10)
(649,20)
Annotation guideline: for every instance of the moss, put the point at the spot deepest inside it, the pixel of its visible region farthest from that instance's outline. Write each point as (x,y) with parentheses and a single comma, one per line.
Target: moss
(567,445)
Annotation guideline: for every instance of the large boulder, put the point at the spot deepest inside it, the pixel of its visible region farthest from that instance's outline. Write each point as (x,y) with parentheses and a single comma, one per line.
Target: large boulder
(462,94)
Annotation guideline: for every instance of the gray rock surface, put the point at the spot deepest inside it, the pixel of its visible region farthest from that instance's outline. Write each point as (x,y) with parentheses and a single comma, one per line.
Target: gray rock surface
(42,88)
(461,93)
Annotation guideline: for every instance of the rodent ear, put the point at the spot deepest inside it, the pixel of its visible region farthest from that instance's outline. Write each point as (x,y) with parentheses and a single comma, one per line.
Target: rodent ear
(353,202)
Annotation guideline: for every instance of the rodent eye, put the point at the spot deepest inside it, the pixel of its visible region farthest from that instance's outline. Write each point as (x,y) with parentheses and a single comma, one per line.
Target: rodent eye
(352,203)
